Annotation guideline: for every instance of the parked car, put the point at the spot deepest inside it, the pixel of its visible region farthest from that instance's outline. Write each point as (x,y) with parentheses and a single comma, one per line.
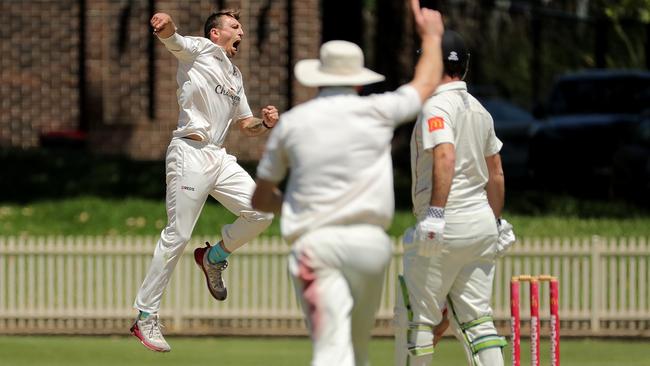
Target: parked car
(631,166)
(589,117)
(514,126)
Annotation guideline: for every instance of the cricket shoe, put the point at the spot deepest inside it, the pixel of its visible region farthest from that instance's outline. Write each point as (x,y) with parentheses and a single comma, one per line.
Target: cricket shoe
(148,332)
(212,272)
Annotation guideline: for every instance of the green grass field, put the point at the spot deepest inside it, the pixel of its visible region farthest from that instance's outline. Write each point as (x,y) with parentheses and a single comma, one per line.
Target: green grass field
(223,351)
(96,216)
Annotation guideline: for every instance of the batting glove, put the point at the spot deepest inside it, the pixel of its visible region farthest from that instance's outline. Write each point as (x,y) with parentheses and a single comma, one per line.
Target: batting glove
(429,232)
(506,237)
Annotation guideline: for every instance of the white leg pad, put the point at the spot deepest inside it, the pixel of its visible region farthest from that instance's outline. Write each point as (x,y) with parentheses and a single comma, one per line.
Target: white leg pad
(413,341)
(482,345)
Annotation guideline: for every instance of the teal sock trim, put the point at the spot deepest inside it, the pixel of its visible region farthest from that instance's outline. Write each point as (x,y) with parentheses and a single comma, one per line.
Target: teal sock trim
(217,254)
(143,315)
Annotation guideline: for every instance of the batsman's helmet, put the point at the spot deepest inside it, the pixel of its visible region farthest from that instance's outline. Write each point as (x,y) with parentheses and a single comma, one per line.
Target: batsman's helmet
(454,54)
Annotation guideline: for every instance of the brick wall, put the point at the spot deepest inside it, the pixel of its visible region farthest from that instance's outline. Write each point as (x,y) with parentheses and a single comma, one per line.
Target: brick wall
(38,69)
(39,79)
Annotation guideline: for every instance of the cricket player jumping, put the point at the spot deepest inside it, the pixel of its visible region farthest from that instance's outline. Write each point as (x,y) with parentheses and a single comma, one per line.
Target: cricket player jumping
(339,196)
(211,97)
(458,192)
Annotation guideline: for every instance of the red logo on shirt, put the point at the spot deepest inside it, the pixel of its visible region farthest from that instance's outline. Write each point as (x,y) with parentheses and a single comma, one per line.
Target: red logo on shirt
(436,123)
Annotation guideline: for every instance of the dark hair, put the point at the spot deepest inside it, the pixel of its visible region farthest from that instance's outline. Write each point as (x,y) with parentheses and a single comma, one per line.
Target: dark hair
(455,69)
(215,20)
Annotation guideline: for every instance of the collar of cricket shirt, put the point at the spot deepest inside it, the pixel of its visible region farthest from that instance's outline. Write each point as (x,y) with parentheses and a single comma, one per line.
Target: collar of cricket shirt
(329,91)
(453,85)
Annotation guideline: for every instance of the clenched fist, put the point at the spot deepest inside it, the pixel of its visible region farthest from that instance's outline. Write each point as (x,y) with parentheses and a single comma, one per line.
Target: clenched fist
(270,116)
(163,25)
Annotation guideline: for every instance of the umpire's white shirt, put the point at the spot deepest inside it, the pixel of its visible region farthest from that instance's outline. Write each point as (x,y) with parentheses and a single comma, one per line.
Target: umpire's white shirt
(452,115)
(338,149)
(210,89)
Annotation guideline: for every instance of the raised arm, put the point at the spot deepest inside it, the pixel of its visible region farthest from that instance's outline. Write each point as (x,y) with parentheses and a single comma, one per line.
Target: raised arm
(428,70)
(184,48)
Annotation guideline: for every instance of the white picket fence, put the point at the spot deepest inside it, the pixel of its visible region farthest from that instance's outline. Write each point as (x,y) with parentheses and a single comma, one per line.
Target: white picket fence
(87,285)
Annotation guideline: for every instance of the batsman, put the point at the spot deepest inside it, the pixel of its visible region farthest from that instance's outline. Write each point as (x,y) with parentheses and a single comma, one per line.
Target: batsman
(458,194)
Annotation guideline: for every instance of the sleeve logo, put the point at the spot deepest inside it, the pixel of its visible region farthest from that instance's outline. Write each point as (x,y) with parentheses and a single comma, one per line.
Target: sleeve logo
(435,123)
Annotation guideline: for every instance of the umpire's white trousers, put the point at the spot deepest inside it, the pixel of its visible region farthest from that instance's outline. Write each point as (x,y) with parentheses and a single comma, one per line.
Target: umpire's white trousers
(338,274)
(460,279)
(194,170)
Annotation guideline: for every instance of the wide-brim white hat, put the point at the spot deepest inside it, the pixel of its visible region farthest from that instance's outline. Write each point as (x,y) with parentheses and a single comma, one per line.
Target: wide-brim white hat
(340,64)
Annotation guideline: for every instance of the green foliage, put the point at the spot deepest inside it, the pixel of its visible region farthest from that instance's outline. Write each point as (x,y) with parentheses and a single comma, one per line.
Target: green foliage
(536,203)
(504,55)
(45,174)
(629,36)
(531,214)
(632,9)
(72,193)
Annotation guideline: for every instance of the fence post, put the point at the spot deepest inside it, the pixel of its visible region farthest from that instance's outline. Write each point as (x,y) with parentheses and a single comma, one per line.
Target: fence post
(596,248)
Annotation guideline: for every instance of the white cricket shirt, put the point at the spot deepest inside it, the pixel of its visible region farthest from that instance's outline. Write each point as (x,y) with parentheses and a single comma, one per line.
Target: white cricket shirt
(337,147)
(210,89)
(452,115)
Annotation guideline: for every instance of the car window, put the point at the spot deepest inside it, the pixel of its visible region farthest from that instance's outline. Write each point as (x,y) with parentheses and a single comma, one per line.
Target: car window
(597,96)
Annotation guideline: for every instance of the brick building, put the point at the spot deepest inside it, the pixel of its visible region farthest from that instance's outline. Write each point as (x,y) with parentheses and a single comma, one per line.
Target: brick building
(94,66)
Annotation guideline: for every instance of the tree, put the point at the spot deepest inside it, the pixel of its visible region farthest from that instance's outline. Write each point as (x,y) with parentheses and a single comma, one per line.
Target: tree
(620,11)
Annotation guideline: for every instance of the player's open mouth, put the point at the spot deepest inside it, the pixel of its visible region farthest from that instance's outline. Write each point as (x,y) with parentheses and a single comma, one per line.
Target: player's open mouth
(236,45)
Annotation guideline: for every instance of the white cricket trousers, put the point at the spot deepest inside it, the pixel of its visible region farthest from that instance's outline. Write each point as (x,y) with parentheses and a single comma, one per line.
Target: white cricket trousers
(460,279)
(338,273)
(194,170)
